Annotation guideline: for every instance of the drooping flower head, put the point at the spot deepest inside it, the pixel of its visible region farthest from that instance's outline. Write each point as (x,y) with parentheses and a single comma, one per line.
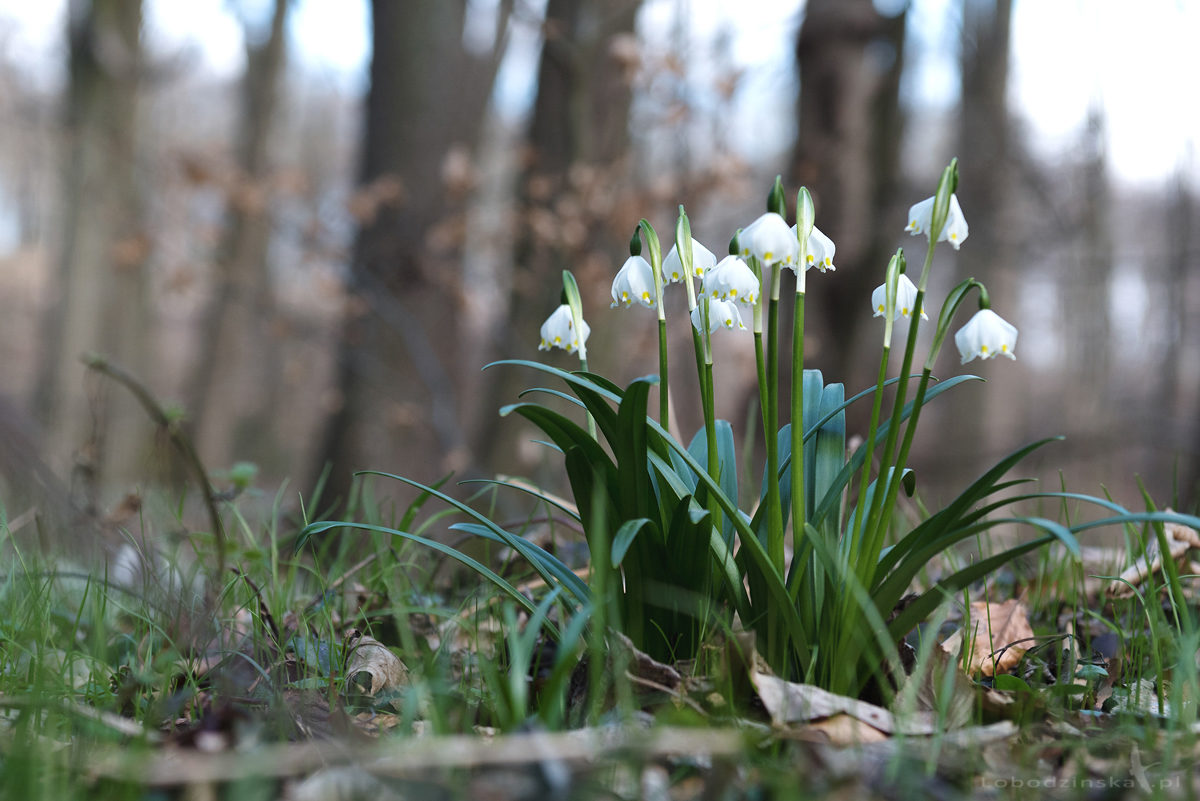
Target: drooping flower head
(732,279)
(702,261)
(721,314)
(906,298)
(986,335)
(820,250)
(770,240)
(559,331)
(920,220)
(634,284)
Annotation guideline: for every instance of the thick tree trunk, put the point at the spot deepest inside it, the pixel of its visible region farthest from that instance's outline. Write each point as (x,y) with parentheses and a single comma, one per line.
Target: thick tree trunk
(986,166)
(101,302)
(235,383)
(399,407)
(849,129)
(576,139)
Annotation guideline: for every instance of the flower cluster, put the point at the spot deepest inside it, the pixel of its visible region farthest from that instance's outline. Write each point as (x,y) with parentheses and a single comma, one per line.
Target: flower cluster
(768,242)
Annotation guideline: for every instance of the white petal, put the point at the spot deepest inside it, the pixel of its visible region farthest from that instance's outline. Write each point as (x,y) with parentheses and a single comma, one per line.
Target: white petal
(956,225)
(634,284)
(732,279)
(559,331)
(721,314)
(820,251)
(879,300)
(920,218)
(770,239)
(986,335)
(906,298)
(702,261)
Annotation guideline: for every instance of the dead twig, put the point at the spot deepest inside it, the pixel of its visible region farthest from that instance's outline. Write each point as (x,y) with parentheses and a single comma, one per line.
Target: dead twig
(177,435)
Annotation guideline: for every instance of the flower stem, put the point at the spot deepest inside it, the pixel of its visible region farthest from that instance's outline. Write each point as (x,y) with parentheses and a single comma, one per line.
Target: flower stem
(799,504)
(663,400)
(774,503)
(879,518)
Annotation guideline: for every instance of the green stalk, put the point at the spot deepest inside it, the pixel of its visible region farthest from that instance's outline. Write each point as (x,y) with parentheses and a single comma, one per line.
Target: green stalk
(774,502)
(880,507)
(663,401)
(855,538)
(804,226)
(647,232)
(873,533)
(575,302)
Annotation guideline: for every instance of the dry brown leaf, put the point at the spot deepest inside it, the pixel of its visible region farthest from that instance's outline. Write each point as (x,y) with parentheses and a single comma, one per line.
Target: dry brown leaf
(788,702)
(1180,540)
(1002,635)
(845,730)
(368,655)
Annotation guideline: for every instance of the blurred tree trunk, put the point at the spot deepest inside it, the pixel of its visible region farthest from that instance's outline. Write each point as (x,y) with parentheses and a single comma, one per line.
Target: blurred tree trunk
(399,408)
(576,139)
(986,163)
(237,376)
(850,59)
(101,302)
(1181,223)
(1087,297)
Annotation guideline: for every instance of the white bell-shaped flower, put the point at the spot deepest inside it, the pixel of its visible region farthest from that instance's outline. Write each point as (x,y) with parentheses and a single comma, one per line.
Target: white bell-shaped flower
(986,335)
(634,284)
(702,261)
(559,331)
(721,314)
(771,240)
(732,279)
(820,250)
(920,218)
(906,299)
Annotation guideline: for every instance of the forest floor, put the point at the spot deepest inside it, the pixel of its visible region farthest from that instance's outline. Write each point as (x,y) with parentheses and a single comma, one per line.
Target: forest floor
(359,666)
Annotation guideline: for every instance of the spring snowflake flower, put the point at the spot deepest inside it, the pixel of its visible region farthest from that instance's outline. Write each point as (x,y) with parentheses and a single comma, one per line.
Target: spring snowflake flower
(634,284)
(732,279)
(986,335)
(906,298)
(702,261)
(721,314)
(820,250)
(771,240)
(920,219)
(559,331)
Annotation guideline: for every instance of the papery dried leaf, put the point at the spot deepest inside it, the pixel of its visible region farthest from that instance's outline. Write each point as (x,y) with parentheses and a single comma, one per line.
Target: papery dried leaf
(788,703)
(368,655)
(1001,636)
(1180,540)
(939,686)
(844,729)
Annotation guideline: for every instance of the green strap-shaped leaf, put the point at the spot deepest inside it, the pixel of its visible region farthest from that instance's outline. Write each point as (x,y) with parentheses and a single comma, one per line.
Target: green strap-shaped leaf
(829,504)
(949,517)
(624,538)
(534,553)
(482,569)
(633,479)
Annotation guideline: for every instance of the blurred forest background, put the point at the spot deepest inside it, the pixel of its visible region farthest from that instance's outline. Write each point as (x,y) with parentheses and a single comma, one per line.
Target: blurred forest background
(315,268)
